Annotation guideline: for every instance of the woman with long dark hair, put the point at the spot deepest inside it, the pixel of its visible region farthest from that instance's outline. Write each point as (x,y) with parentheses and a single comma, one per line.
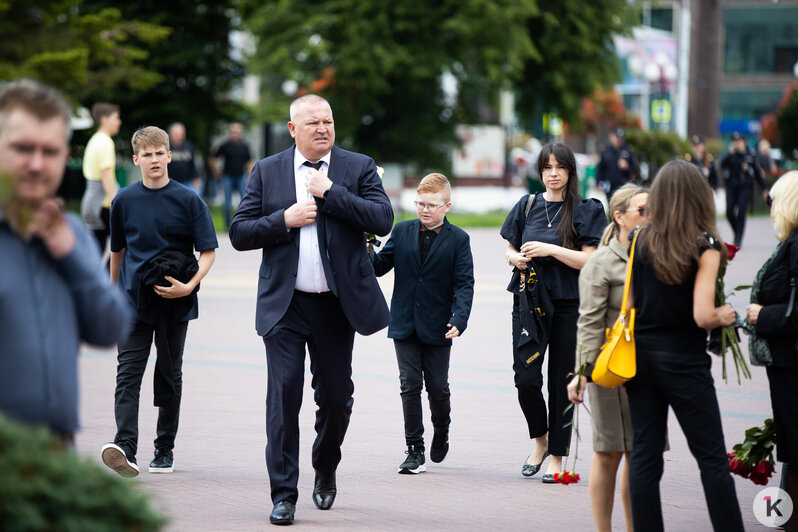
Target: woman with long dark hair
(673,284)
(550,236)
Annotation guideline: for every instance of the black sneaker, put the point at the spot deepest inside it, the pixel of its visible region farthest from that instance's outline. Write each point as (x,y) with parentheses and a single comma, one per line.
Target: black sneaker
(163,461)
(440,446)
(119,458)
(415,461)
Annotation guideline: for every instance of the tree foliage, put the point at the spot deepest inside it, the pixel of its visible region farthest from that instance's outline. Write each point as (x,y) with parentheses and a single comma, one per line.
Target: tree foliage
(77,52)
(193,64)
(575,55)
(382,64)
(788,122)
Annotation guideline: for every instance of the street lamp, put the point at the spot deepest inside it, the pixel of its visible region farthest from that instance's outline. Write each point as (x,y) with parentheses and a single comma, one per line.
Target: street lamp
(661,73)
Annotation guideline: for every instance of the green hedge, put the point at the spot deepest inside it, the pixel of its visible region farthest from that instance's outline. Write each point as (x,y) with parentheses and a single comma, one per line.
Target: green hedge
(46,488)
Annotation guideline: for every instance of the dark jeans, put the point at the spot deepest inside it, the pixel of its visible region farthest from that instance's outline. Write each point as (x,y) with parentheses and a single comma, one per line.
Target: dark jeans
(429,363)
(133,354)
(101,235)
(529,380)
(318,322)
(738,195)
(682,381)
(240,184)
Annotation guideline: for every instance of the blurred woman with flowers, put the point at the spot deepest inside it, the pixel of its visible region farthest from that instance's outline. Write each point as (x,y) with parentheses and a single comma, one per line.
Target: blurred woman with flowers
(550,236)
(673,284)
(774,316)
(601,285)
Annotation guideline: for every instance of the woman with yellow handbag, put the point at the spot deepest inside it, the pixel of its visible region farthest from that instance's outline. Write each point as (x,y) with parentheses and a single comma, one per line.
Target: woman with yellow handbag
(673,285)
(601,287)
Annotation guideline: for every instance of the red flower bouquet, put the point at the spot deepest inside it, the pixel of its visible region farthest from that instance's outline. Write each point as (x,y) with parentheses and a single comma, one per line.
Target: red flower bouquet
(726,338)
(753,458)
(572,477)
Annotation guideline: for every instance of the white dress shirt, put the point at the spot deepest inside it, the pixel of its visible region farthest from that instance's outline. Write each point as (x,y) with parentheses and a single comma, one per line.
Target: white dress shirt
(310,272)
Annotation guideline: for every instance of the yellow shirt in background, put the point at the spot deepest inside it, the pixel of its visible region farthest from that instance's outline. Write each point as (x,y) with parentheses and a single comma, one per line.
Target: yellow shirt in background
(100,154)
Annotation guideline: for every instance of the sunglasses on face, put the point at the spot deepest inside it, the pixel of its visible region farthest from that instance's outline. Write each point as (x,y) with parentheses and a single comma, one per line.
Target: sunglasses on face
(769,200)
(640,210)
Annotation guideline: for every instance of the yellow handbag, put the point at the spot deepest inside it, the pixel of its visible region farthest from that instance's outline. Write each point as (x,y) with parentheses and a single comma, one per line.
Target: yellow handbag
(616,362)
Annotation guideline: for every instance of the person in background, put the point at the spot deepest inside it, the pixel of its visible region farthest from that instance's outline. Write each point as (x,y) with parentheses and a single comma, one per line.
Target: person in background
(676,261)
(54,293)
(99,168)
(237,166)
(740,170)
(703,160)
(617,165)
(432,262)
(601,285)
(774,315)
(182,168)
(764,159)
(556,231)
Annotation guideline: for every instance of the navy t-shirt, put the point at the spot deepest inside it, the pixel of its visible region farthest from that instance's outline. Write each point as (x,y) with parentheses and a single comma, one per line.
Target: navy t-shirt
(561,280)
(664,313)
(146,222)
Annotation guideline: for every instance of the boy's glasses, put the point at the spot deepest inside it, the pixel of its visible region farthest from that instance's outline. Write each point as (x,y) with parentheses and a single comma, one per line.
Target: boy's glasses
(426,206)
(640,210)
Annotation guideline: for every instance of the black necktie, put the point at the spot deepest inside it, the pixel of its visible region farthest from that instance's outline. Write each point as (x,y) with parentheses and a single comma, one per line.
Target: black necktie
(320,226)
(315,165)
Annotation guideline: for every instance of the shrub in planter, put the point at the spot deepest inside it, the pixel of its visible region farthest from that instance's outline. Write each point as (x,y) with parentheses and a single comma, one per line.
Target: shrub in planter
(44,487)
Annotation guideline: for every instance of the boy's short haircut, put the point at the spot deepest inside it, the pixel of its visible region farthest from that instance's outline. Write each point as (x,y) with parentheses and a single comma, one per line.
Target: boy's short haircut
(101,109)
(149,137)
(434,183)
(34,98)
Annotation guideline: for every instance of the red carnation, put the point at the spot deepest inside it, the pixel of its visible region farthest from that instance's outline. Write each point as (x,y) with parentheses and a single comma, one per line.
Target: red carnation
(732,249)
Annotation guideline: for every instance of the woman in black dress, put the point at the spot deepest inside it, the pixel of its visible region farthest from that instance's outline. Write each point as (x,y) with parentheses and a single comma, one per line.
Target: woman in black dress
(550,236)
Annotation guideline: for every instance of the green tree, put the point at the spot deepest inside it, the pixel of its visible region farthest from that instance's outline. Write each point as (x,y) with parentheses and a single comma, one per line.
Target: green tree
(381,65)
(77,52)
(788,123)
(575,55)
(193,63)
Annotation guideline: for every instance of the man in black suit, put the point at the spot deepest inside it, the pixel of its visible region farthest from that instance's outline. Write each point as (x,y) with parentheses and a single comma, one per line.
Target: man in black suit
(307,209)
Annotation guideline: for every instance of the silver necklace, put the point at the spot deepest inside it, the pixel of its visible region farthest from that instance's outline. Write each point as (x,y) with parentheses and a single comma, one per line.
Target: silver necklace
(546,204)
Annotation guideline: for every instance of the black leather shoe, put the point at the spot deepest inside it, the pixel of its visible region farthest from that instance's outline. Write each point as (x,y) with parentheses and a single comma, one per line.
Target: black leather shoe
(324,490)
(283,513)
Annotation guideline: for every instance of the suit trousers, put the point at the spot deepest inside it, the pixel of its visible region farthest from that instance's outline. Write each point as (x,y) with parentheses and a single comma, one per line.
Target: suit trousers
(133,354)
(683,381)
(421,363)
(529,380)
(318,322)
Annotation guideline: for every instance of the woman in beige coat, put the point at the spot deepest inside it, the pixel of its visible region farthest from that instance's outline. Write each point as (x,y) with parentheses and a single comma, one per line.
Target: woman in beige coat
(600,294)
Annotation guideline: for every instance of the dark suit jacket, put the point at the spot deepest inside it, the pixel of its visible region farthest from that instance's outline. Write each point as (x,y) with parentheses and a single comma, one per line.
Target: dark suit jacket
(428,296)
(355,203)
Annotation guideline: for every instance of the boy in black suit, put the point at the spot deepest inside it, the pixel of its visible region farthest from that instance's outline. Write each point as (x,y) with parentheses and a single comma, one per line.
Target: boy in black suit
(433,290)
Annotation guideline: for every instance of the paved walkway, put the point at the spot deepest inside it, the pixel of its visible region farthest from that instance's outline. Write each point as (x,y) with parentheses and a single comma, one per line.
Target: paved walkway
(220,482)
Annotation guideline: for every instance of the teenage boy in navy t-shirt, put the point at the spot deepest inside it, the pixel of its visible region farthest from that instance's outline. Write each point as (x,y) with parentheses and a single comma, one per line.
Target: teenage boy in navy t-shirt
(431,302)
(156,224)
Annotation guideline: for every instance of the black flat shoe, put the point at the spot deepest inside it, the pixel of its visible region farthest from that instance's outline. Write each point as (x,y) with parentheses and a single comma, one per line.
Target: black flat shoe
(531,469)
(548,478)
(283,513)
(324,490)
